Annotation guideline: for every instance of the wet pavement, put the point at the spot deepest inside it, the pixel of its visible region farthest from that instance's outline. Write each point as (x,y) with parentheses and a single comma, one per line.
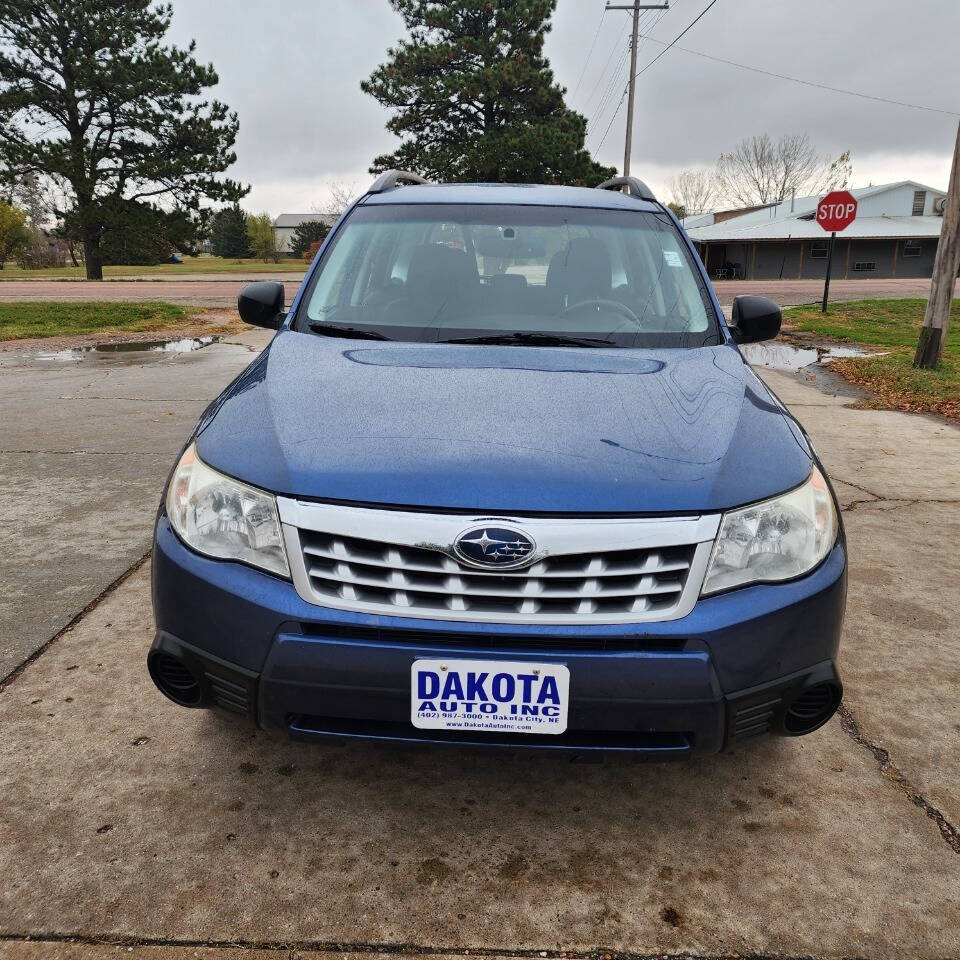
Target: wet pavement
(778,355)
(179,833)
(179,345)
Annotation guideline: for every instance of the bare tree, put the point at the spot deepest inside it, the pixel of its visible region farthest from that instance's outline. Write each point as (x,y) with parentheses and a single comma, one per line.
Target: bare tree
(341,196)
(694,191)
(759,170)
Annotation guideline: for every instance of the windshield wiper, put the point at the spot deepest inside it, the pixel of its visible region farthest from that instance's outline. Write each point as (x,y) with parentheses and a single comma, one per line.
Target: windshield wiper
(535,340)
(336,330)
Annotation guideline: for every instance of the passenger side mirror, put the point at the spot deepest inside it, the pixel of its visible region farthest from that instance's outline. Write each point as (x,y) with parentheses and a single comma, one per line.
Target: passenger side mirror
(261,304)
(755,318)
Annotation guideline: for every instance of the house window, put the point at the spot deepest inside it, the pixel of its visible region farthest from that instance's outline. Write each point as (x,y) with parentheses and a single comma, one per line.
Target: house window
(818,250)
(919,202)
(865,266)
(912,248)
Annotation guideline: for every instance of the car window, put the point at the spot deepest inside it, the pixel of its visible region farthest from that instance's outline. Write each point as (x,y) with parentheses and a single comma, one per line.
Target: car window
(425,272)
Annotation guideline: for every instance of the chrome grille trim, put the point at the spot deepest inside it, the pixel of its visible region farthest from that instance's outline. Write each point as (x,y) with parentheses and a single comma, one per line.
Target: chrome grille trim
(584,571)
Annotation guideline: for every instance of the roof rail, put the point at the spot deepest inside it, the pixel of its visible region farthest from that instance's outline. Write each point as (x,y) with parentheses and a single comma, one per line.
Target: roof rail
(394,178)
(636,188)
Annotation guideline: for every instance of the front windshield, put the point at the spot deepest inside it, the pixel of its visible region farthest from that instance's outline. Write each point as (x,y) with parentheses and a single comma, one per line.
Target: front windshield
(498,273)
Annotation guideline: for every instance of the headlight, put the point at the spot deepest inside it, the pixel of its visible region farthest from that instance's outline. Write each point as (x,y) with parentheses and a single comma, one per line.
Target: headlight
(777,539)
(223,518)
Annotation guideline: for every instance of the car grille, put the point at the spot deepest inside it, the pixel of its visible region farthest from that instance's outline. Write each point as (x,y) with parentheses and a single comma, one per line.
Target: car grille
(400,579)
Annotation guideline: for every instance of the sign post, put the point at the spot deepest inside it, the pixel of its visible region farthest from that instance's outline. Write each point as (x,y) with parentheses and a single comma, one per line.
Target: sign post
(826,282)
(835,212)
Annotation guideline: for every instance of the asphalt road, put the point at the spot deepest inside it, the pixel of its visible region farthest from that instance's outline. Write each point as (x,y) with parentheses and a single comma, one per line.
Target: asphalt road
(177,834)
(222,291)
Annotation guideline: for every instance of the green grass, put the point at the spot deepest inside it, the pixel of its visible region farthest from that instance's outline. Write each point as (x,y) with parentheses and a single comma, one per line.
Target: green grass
(163,270)
(27,319)
(892,326)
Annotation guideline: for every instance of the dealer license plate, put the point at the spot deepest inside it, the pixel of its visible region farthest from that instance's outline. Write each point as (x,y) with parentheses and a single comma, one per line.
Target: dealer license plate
(495,696)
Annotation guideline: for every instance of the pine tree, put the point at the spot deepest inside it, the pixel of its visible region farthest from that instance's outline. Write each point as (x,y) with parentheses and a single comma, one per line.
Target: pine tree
(123,116)
(474,98)
(228,234)
(306,234)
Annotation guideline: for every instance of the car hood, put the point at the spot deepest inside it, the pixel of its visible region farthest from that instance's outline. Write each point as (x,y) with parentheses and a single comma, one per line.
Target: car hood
(504,429)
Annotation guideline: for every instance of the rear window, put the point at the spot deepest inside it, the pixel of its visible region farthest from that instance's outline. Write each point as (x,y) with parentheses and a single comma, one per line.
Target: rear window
(429,273)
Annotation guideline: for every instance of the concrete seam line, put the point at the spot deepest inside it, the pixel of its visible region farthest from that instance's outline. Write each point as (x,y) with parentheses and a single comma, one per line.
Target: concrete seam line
(137,399)
(893,773)
(74,620)
(86,453)
(856,486)
(903,504)
(331,946)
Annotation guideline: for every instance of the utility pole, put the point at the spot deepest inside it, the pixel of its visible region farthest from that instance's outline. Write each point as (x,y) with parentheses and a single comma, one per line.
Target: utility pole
(636,7)
(936,320)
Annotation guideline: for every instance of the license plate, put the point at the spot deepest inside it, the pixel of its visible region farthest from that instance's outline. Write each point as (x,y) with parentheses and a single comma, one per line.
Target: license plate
(495,696)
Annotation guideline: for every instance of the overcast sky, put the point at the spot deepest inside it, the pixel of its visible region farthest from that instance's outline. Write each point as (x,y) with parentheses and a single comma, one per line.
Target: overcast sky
(292,71)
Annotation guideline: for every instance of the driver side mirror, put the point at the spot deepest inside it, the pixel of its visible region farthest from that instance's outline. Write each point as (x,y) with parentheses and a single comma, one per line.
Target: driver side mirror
(261,304)
(755,318)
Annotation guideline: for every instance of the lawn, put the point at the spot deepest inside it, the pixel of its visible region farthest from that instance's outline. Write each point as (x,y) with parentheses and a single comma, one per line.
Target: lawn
(27,319)
(892,326)
(165,270)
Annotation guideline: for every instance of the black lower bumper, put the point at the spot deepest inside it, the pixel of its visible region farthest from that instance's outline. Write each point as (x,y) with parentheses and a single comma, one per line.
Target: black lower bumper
(660,727)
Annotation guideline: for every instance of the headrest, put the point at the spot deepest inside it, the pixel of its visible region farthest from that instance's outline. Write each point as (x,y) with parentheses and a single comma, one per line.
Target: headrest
(436,269)
(582,271)
(508,281)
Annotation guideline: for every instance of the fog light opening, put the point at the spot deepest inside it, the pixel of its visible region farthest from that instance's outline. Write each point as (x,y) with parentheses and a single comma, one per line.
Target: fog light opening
(811,709)
(175,680)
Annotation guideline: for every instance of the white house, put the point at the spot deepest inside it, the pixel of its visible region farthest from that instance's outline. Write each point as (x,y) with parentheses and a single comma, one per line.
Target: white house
(895,234)
(286,223)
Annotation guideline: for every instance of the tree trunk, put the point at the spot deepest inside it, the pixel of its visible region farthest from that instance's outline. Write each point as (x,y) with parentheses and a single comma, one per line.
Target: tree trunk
(936,320)
(92,257)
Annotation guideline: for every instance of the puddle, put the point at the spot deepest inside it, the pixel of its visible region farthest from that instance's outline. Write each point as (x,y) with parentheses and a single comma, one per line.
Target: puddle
(785,356)
(181,345)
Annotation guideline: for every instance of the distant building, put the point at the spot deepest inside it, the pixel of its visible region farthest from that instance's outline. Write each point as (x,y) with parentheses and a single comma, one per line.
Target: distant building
(286,223)
(895,235)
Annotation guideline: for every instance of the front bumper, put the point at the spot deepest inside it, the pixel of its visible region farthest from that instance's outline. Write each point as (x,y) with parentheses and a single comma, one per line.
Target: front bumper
(728,670)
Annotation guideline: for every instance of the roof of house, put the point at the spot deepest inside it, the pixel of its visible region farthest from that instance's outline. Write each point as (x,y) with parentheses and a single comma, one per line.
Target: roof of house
(863,228)
(295,219)
(793,218)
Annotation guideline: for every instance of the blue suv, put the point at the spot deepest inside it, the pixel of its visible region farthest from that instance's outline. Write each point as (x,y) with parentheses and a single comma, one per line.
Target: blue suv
(503,477)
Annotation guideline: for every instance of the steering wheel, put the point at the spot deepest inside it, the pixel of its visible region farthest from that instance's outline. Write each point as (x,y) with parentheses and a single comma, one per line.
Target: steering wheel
(615,305)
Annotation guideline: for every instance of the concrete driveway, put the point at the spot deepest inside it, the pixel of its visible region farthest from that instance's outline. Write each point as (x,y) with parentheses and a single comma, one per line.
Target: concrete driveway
(86,441)
(176,834)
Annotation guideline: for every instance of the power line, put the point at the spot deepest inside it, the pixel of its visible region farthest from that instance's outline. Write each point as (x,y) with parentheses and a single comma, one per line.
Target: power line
(654,18)
(603,72)
(644,69)
(679,36)
(610,87)
(812,83)
(586,62)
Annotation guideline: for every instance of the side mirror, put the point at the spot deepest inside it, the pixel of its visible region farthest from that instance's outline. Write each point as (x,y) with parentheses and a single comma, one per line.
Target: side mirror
(261,304)
(755,318)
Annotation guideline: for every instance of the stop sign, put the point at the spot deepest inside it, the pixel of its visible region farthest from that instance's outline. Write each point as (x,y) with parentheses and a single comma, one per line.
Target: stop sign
(837,210)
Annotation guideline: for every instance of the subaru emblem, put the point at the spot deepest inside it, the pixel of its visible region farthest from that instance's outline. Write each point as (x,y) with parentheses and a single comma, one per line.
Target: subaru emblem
(495,547)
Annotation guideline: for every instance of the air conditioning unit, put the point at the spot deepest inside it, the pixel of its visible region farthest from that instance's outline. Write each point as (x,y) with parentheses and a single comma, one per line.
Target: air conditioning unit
(939,206)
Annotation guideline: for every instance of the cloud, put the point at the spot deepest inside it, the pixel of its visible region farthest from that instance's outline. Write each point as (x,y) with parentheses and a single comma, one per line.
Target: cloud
(293,73)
